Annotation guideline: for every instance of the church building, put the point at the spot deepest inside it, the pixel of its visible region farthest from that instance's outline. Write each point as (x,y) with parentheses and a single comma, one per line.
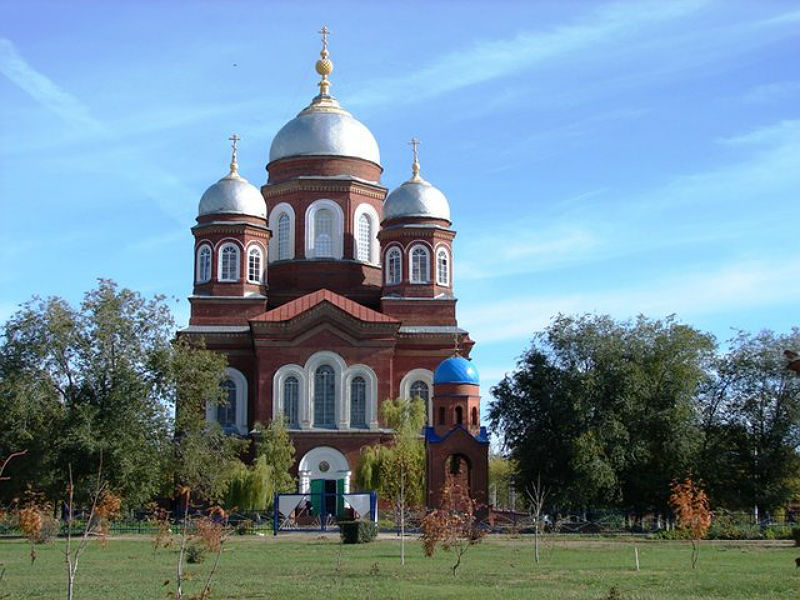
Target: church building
(329,295)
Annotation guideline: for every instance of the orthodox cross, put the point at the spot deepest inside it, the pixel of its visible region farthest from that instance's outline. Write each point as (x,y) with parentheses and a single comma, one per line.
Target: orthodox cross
(325,33)
(234,139)
(414,143)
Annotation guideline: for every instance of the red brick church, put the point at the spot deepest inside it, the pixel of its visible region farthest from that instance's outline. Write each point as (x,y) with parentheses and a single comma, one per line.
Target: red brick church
(329,295)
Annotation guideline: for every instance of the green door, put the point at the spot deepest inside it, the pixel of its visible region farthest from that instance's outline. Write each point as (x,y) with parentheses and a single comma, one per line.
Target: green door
(339,497)
(317,491)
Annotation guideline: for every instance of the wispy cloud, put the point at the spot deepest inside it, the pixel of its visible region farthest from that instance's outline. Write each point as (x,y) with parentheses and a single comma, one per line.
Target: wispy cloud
(42,89)
(772,92)
(730,287)
(491,59)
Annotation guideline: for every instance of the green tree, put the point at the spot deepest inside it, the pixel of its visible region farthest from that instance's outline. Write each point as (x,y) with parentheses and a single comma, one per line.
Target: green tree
(502,471)
(274,444)
(751,416)
(76,383)
(605,410)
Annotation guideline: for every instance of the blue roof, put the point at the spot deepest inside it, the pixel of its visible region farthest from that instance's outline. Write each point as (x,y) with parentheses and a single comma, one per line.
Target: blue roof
(456,370)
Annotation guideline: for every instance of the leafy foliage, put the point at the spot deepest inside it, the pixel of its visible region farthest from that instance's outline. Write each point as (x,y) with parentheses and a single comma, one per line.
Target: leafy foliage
(274,444)
(690,504)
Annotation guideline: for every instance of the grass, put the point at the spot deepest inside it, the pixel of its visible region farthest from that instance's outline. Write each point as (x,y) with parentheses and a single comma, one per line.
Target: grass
(300,567)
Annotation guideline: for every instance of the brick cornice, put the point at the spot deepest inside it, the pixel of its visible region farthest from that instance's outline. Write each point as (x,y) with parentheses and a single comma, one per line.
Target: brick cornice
(274,190)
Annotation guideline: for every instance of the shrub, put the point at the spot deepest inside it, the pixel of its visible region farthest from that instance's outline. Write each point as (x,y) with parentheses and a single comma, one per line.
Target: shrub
(244,527)
(195,553)
(796,535)
(357,532)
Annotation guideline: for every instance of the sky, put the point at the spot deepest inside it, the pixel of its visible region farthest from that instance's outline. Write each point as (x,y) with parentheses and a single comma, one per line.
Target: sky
(620,158)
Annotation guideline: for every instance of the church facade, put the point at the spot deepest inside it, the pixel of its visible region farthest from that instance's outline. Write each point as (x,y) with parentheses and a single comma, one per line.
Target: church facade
(329,294)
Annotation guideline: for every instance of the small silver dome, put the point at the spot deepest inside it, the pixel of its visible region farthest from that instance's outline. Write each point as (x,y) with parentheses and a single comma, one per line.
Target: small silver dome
(416,198)
(325,129)
(233,194)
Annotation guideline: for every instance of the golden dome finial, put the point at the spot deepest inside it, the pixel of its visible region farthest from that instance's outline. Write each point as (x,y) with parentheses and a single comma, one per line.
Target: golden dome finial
(234,164)
(415,165)
(324,65)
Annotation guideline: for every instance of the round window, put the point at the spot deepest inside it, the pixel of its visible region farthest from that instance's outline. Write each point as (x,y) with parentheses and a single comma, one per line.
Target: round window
(324,467)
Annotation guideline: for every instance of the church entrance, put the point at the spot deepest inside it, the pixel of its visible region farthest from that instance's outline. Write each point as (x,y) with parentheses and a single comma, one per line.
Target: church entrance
(325,475)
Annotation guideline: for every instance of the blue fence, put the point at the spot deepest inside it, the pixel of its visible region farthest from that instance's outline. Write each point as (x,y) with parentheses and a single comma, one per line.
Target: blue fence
(317,511)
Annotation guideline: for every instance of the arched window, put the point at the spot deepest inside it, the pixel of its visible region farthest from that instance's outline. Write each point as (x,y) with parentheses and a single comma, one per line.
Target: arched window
(323,233)
(420,265)
(474,416)
(394,266)
(284,236)
(364,242)
(324,396)
(459,415)
(226,413)
(441,415)
(291,402)
(229,263)
(442,267)
(254,269)
(203,264)
(358,402)
(419,389)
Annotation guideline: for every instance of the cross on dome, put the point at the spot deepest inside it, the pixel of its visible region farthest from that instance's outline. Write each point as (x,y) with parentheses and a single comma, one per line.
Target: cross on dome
(234,164)
(324,65)
(414,143)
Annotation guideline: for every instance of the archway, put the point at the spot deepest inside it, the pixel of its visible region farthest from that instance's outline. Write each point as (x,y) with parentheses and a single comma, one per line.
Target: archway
(458,471)
(324,473)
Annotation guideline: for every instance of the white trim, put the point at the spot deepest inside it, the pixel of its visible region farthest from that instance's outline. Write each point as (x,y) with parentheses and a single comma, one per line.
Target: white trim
(338,228)
(200,247)
(332,359)
(374,248)
(278,380)
(338,467)
(395,247)
(241,400)
(262,262)
(441,247)
(274,218)
(372,394)
(425,246)
(220,250)
(418,375)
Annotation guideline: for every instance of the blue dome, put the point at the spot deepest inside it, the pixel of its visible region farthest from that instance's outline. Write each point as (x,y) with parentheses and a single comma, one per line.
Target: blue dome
(456,370)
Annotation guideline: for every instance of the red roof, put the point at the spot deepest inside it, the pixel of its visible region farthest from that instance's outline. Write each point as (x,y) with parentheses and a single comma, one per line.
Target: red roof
(290,310)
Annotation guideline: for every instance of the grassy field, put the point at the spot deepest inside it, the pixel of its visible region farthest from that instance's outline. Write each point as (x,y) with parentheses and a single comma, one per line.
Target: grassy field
(311,567)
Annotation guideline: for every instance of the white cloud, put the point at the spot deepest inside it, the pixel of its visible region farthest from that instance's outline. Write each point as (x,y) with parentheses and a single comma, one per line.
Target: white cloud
(42,89)
(735,286)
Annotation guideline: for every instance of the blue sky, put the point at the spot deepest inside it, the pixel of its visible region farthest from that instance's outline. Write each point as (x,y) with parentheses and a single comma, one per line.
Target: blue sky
(624,158)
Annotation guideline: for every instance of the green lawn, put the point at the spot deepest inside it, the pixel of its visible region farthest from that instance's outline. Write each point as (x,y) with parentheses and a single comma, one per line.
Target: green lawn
(316,569)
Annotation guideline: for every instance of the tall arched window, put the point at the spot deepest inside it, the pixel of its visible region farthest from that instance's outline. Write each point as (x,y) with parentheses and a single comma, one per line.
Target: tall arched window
(459,415)
(420,265)
(203,264)
(358,403)
(283,236)
(324,396)
(441,415)
(254,262)
(419,389)
(291,402)
(474,419)
(394,266)
(364,242)
(229,263)
(323,233)
(442,267)
(226,413)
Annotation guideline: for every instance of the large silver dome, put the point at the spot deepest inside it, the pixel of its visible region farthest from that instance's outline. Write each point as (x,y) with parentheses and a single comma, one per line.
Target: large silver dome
(416,198)
(325,129)
(233,194)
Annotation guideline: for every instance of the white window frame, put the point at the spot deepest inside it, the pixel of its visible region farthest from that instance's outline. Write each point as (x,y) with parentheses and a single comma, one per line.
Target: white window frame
(338,228)
(418,375)
(374,244)
(198,263)
(442,249)
(427,250)
(240,381)
(220,264)
(250,249)
(278,407)
(274,221)
(387,261)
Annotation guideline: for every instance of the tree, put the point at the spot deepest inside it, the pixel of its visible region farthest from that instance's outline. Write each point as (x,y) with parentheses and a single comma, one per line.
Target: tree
(453,525)
(537,495)
(398,471)
(502,472)
(274,444)
(93,375)
(690,503)
(604,410)
(751,417)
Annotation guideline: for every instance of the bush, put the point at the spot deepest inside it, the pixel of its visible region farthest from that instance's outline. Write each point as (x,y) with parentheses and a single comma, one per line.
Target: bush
(796,535)
(727,527)
(357,532)
(244,527)
(50,529)
(195,554)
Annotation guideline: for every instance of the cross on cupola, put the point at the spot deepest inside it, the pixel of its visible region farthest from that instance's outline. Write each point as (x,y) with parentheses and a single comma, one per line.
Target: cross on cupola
(324,65)
(414,143)
(234,164)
